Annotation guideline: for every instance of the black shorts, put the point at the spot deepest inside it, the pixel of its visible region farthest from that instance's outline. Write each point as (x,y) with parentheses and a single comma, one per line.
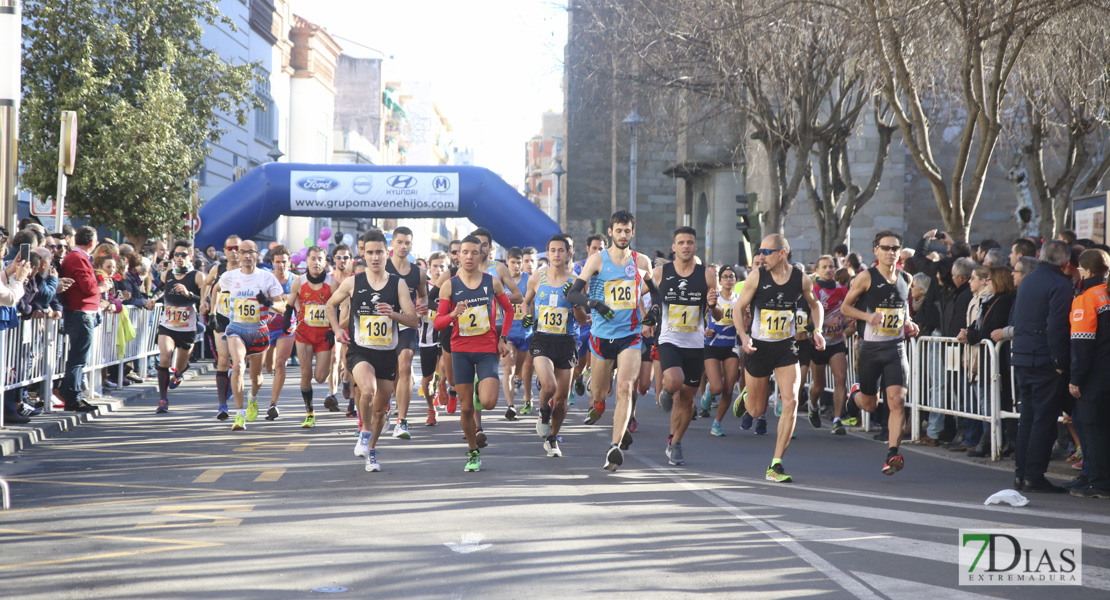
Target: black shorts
(607,349)
(429,356)
(561,350)
(182,340)
(805,351)
(384,362)
(722,353)
(465,365)
(221,323)
(822,357)
(406,340)
(690,360)
(645,349)
(769,356)
(445,338)
(882,360)
(256,340)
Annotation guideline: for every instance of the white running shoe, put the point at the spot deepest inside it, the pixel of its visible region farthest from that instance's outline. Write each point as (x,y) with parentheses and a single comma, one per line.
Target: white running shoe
(362,446)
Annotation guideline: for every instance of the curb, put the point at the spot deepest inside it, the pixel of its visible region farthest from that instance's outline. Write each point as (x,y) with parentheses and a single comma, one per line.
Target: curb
(14,438)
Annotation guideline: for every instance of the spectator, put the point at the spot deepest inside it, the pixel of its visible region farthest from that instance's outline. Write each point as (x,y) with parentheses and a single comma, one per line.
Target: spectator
(1022,247)
(905,261)
(46,300)
(854,263)
(82,302)
(840,253)
(1067,235)
(131,284)
(923,310)
(1040,353)
(11,292)
(974,362)
(995,257)
(106,276)
(983,248)
(960,250)
(60,248)
(1089,375)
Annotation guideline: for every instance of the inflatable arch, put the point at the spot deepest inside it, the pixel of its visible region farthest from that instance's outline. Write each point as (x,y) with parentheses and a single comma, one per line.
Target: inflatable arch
(272,190)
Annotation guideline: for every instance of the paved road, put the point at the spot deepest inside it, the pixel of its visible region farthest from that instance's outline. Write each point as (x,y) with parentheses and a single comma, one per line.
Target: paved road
(138,505)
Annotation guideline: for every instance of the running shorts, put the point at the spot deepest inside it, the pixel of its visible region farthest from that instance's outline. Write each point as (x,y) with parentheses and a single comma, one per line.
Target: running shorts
(256,340)
(445,338)
(429,356)
(647,347)
(769,356)
(882,360)
(721,353)
(182,340)
(317,337)
(822,357)
(607,349)
(406,340)
(521,343)
(384,362)
(690,360)
(805,351)
(468,364)
(561,350)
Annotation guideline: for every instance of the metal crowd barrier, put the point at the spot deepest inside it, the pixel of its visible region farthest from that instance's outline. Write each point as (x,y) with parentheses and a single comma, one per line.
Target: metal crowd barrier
(34,353)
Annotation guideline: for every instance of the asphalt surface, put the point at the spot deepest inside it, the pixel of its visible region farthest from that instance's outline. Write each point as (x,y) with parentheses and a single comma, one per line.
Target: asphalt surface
(138,505)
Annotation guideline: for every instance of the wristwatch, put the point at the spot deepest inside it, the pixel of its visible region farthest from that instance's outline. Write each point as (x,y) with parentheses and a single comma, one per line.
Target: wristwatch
(503,338)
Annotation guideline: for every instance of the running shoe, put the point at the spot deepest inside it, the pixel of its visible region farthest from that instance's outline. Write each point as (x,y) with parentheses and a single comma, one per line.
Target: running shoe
(473,462)
(614,458)
(552,446)
(666,400)
(240,423)
(372,464)
(838,428)
(309,421)
(435,400)
(626,440)
(746,421)
(674,454)
(272,412)
(221,413)
(352,412)
(717,430)
(814,418)
(527,408)
(706,400)
(777,474)
(452,403)
(760,426)
(362,446)
(346,389)
(517,385)
(510,413)
(632,425)
(893,464)
(331,403)
(481,438)
(163,406)
(175,379)
(1076,456)
(431,418)
(580,386)
(401,431)
(738,408)
(570,399)
(704,414)
(543,429)
(252,410)
(850,421)
(596,410)
(28,410)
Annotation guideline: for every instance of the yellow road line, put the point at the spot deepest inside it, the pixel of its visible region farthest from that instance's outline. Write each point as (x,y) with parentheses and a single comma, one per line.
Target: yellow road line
(265,475)
(212,493)
(126,485)
(177,545)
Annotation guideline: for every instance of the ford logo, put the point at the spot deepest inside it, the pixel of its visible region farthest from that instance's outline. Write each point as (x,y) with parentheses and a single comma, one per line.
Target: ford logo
(316,182)
(403,182)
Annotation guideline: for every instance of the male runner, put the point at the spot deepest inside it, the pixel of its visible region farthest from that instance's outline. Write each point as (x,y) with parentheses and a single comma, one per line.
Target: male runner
(615,336)
(689,292)
(453,254)
(594,243)
(344,268)
(430,355)
(883,292)
(309,298)
(280,327)
(416,282)
(835,355)
(221,306)
(252,294)
(528,266)
(178,328)
(467,302)
(554,350)
(378,302)
(519,337)
(773,291)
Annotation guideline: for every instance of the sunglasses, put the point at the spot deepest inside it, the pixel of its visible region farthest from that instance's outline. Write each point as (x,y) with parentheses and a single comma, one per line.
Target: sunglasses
(181,254)
(56,246)
(886,248)
(453,252)
(231,248)
(769,251)
(341,257)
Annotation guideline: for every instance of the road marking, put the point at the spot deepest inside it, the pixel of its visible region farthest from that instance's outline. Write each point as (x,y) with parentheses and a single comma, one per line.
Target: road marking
(175,545)
(471,542)
(186,511)
(264,475)
(126,485)
(272,447)
(911,590)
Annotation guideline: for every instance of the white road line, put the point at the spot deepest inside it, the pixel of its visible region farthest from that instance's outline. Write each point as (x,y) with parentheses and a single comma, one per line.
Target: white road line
(903,589)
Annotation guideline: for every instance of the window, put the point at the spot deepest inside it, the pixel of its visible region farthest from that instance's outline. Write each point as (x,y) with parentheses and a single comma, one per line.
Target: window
(264,130)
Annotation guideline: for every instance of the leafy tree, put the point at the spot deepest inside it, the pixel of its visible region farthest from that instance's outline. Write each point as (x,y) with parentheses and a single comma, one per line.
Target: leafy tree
(148,97)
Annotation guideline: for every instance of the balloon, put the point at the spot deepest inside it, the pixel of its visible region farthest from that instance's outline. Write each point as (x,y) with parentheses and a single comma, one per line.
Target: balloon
(272,244)
(303,251)
(322,243)
(302,265)
(325,233)
(308,242)
(349,239)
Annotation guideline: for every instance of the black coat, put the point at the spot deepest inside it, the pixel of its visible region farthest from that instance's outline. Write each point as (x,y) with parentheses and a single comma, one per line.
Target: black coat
(1040,319)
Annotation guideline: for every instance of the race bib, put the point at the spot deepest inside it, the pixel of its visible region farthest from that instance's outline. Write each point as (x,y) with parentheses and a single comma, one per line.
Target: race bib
(726,320)
(223,304)
(682,318)
(474,321)
(518,312)
(178,316)
(245,310)
(619,294)
(552,320)
(374,330)
(833,326)
(775,324)
(892,322)
(801,319)
(316,315)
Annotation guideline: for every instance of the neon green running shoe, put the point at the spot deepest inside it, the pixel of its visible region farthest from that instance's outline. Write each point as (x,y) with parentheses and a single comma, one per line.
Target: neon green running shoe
(473,462)
(738,409)
(777,474)
(850,421)
(252,410)
(309,421)
(240,423)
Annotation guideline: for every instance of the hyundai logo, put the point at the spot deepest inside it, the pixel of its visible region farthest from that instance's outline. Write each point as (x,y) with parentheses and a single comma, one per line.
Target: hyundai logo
(403,182)
(314,183)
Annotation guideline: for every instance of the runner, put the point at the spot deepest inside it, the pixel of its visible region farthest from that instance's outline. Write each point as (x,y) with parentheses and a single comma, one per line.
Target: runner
(615,336)
(689,293)
(281,327)
(519,337)
(314,338)
(722,355)
(883,292)
(773,292)
(430,354)
(594,243)
(221,308)
(178,328)
(416,281)
(553,348)
(467,301)
(252,295)
(835,355)
(528,266)
(378,301)
(344,268)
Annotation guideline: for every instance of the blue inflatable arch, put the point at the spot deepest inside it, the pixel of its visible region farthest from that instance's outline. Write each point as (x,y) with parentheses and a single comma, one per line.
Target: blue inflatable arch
(269,191)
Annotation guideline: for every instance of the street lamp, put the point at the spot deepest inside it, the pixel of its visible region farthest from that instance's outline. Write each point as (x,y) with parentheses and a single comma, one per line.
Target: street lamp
(558,172)
(11,47)
(633,119)
(275,154)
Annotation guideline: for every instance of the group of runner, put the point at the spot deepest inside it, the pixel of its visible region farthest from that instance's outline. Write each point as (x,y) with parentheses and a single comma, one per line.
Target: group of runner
(466,315)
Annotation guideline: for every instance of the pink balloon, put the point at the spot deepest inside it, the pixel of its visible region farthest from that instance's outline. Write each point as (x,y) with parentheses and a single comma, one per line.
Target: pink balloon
(325,233)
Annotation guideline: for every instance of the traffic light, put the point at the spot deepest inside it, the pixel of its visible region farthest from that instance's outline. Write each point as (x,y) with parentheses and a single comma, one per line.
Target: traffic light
(743,204)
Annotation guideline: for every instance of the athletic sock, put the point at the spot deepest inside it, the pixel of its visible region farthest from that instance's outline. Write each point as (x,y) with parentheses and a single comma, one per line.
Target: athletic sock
(716,422)
(163,381)
(242,412)
(891,451)
(836,419)
(307,396)
(221,385)
(850,407)
(545,415)
(776,461)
